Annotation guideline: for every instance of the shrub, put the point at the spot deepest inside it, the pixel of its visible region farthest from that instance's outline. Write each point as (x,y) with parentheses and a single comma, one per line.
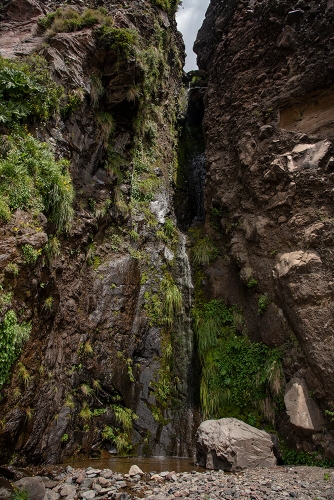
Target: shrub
(204,252)
(30,178)
(239,378)
(262,303)
(122,40)
(30,254)
(12,336)
(26,90)
(68,19)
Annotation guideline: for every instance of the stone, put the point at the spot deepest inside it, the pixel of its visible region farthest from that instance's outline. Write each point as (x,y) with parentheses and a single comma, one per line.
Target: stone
(135,470)
(231,445)
(51,495)
(5,494)
(303,411)
(88,495)
(67,490)
(34,486)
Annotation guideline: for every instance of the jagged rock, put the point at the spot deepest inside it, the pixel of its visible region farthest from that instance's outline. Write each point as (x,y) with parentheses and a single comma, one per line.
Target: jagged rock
(303,411)
(231,444)
(34,486)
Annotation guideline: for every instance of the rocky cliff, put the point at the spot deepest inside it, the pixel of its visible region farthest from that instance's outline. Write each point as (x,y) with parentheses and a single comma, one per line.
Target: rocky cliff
(101,289)
(268,125)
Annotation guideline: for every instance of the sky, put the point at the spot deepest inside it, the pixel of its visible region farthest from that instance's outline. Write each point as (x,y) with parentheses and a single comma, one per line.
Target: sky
(189,19)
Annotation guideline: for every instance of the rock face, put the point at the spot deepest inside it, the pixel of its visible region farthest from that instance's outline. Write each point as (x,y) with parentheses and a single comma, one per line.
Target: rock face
(230,444)
(269,147)
(304,413)
(100,346)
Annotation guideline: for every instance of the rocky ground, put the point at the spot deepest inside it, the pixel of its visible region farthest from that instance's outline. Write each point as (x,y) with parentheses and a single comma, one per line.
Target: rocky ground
(258,484)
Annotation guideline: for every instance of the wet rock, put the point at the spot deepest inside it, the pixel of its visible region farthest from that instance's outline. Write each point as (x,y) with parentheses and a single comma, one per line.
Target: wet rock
(230,444)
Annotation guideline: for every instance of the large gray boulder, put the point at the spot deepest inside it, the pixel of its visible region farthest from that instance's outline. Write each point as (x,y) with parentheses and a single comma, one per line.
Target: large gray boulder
(230,444)
(34,486)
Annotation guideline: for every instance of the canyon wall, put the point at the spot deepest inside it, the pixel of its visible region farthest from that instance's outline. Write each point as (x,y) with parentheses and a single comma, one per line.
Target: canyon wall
(268,125)
(106,298)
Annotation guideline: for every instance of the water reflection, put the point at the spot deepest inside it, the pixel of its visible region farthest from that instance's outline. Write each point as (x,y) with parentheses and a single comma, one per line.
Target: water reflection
(122,465)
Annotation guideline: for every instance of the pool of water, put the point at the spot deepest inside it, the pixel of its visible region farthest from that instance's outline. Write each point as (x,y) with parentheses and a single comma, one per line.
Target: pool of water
(122,465)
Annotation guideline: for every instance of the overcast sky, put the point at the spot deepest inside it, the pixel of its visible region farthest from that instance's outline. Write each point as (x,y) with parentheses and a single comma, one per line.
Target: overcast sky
(189,18)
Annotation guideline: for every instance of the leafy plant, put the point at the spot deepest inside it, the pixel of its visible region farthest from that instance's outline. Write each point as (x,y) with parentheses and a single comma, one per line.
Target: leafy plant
(30,254)
(31,179)
(27,90)
(18,494)
(12,336)
(122,40)
(64,438)
(262,303)
(238,377)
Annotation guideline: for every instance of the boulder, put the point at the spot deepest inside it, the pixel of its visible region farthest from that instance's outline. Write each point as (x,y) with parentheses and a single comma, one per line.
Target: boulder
(303,411)
(230,444)
(135,470)
(34,486)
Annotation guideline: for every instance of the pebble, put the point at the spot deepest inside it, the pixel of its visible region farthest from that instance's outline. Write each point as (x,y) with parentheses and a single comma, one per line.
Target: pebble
(276,483)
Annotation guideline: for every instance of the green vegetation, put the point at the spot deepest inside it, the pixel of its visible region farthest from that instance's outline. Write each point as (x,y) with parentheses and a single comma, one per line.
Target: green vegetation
(27,91)
(12,336)
(12,268)
(19,494)
(169,6)
(172,299)
(48,304)
(52,248)
(31,179)
(30,255)
(204,251)
(121,435)
(122,40)
(301,457)
(262,303)
(239,378)
(64,438)
(67,19)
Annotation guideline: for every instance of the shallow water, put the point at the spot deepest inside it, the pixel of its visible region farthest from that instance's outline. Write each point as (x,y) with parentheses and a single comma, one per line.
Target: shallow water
(122,465)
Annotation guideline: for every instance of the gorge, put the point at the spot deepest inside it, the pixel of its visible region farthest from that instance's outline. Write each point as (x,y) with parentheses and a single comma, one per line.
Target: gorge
(166,246)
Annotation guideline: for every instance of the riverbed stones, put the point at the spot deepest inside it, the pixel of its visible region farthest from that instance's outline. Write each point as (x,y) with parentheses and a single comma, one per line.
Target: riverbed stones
(230,444)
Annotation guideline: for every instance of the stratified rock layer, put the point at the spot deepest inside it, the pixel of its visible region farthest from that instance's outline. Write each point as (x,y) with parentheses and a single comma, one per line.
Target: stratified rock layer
(269,136)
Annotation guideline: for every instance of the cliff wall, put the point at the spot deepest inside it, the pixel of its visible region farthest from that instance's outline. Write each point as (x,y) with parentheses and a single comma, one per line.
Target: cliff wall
(103,291)
(268,125)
